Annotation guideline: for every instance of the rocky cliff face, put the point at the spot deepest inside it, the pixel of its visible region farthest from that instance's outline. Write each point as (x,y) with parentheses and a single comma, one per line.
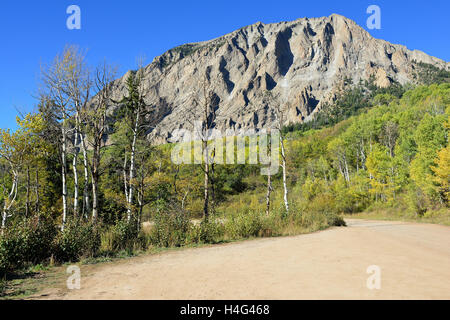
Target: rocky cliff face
(298,64)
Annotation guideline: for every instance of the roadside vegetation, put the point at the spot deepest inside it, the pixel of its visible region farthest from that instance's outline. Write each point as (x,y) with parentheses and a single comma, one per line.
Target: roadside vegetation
(80,183)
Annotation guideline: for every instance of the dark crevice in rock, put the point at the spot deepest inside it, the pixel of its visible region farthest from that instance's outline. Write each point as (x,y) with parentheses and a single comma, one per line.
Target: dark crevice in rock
(283,52)
(157,114)
(241,51)
(226,75)
(309,31)
(270,83)
(328,34)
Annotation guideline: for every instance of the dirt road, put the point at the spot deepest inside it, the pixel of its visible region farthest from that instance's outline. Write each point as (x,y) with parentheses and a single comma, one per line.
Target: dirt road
(414,260)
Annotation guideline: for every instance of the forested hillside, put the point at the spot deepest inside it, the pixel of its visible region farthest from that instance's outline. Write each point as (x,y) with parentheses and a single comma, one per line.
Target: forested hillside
(79,182)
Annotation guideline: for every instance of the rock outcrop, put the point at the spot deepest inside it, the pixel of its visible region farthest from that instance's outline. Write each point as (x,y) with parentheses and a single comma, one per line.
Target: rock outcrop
(296,66)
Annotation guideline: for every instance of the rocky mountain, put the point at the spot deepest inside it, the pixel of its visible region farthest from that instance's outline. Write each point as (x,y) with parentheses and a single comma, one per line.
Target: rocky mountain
(299,64)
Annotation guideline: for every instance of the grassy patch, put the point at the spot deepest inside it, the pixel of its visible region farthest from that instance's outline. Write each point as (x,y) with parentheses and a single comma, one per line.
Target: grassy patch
(22,285)
(439,216)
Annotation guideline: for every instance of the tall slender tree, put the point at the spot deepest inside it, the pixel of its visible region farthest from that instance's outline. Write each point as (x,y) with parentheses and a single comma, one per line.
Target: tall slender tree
(79,86)
(95,118)
(133,112)
(55,79)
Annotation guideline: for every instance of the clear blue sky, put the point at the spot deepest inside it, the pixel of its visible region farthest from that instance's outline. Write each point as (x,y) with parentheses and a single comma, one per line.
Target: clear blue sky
(34,31)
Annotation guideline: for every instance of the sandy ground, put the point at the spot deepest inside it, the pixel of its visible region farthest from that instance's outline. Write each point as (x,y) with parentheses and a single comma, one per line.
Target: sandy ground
(414,260)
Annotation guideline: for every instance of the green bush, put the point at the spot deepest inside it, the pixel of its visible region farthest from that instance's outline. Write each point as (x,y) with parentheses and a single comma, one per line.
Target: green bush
(417,201)
(40,241)
(78,240)
(334,220)
(3,286)
(206,232)
(124,236)
(244,225)
(26,242)
(321,213)
(12,249)
(318,220)
(170,229)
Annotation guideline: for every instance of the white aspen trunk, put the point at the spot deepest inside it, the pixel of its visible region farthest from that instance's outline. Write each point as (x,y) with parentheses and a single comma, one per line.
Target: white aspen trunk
(283,155)
(363,159)
(86,208)
(94,201)
(206,186)
(211,182)
(64,168)
(27,203)
(269,191)
(125,177)
(11,199)
(392,178)
(4,217)
(269,177)
(132,164)
(141,206)
(357,162)
(36,190)
(95,179)
(346,172)
(74,168)
(184,200)
(340,168)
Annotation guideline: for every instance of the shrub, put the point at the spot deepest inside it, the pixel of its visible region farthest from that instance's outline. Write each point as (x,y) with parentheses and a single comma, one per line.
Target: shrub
(170,229)
(40,240)
(206,232)
(124,236)
(26,242)
(78,240)
(318,220)
(3,286)
(321,212)
(334,220)
(244,225)
(417,201)
(12,249)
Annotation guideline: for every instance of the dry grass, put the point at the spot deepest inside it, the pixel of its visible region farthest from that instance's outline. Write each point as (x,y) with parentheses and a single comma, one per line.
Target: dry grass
(438,216)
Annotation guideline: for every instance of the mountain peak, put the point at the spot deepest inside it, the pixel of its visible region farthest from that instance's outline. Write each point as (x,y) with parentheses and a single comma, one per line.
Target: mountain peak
(301,63)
